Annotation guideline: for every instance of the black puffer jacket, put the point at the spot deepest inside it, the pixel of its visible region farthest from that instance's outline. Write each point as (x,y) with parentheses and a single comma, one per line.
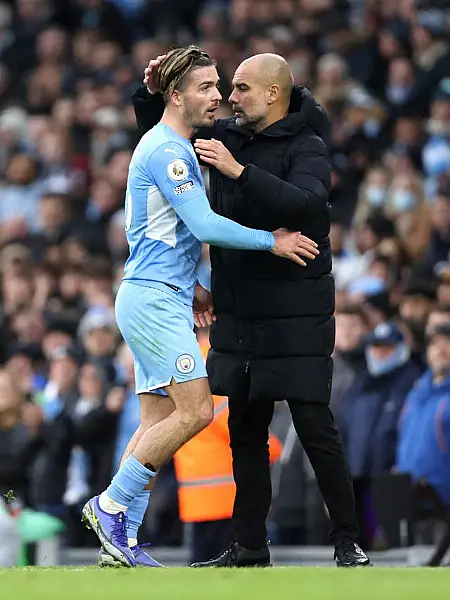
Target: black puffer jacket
(275,325)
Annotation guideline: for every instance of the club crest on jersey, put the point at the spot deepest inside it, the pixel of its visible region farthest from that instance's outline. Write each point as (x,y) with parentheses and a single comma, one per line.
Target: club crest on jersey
(185,363)
(177,170)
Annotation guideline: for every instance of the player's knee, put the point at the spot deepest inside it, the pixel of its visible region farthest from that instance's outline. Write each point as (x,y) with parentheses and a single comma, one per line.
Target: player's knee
(198,416)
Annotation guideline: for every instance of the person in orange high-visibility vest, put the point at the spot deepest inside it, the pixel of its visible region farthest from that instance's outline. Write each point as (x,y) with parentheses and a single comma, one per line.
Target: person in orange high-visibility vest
(206,488)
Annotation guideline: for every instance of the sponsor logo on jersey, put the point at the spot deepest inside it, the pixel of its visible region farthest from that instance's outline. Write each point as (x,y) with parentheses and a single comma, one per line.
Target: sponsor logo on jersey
(184,187)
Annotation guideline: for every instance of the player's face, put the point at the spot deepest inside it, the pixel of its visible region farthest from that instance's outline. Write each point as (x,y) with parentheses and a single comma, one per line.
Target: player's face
(201,97)
(248,98)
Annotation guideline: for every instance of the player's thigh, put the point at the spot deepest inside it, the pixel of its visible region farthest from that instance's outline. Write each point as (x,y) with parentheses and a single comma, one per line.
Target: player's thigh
(159,330)
(154,408)
(192,399)
(141,314)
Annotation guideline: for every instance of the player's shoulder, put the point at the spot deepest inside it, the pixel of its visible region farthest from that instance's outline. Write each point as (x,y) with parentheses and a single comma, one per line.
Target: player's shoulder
(161,144)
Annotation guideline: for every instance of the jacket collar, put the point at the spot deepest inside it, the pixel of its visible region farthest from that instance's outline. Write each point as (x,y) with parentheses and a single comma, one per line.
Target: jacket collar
(303,111)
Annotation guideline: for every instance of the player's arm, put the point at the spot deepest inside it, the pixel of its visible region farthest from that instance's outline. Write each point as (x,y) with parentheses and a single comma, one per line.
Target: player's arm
(178,181)
(203,273)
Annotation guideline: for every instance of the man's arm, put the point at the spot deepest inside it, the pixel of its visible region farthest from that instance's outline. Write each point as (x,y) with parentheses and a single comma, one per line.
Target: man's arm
(305,189)
(148,108)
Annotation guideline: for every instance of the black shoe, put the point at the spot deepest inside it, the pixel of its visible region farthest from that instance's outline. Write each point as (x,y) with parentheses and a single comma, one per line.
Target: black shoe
(237,556)
(349,554)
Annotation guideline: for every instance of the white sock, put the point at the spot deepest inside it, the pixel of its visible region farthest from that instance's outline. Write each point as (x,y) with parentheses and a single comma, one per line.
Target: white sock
(109,506)
(132,542)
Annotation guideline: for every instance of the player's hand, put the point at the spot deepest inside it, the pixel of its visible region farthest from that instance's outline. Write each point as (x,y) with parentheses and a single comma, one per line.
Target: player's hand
(215,154)
(293,245)
(150,74)
(203,307)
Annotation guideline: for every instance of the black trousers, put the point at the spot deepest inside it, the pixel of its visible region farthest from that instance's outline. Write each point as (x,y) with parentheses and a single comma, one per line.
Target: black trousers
(249,431)
(209,539)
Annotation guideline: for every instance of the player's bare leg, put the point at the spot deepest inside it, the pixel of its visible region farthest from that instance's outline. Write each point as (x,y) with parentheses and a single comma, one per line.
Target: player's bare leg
(193,411)
(153,409)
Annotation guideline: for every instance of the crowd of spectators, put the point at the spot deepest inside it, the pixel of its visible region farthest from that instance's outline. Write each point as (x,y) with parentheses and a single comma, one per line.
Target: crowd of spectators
(381,69)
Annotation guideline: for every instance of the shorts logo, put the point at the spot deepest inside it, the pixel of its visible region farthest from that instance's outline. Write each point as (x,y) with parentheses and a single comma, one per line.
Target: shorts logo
(185,363)
(177,170)
(184,187)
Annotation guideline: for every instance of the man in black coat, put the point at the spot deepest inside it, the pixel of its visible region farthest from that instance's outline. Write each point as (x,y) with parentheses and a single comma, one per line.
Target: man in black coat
(274,330)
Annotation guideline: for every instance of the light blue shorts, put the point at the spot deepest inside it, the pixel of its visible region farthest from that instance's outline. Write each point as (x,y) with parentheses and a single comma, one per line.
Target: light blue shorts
(159,329)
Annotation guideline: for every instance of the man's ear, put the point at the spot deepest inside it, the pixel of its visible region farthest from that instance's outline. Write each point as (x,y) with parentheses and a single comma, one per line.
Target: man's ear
(175,97)
(272,93)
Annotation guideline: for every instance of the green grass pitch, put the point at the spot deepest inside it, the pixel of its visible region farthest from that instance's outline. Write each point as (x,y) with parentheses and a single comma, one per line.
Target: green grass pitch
(187,584)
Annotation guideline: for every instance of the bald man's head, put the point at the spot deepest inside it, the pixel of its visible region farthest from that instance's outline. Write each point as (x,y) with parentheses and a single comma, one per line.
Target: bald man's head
(273,69)
(262,87)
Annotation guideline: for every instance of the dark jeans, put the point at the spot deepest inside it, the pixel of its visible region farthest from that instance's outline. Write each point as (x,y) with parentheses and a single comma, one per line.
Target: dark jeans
(209,539)
(249,431)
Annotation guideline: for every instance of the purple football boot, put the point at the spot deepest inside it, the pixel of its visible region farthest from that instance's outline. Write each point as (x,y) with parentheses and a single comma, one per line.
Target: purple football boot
(142,558)
(111,530)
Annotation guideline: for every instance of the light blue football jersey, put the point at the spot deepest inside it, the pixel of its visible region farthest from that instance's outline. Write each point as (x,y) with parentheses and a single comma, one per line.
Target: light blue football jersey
(164,173)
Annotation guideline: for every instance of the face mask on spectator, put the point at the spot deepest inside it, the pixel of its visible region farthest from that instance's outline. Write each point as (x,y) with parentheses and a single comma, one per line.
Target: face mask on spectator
(376,195)
(436,158)
(378,367)
(438,127)
(371,128)
(397,94)
(403,200)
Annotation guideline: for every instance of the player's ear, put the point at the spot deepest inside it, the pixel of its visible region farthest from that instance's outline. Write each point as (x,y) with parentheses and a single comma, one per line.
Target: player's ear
(175,97)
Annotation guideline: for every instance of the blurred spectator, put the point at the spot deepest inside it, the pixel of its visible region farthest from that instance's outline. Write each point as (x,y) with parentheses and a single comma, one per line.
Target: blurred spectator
(439,243)
(439,315)
(371,407)
(436,152)
(373,193)
(98,335)
(401,80)
(409,211)
(20,198)
(17,440)
(51,421)
(352,327)
(424,436)
(375,401)
(415,305)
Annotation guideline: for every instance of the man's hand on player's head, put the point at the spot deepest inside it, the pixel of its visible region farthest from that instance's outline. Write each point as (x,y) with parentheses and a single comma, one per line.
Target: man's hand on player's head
(215,154)
(150,74)
(293,245)
(203,307)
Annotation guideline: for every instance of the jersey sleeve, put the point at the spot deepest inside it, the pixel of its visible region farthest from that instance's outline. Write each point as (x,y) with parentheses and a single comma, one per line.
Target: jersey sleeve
(171,166)
(178,181)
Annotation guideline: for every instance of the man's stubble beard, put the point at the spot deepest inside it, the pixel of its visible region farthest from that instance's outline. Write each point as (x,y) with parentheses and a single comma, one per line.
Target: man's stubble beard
(190,116)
